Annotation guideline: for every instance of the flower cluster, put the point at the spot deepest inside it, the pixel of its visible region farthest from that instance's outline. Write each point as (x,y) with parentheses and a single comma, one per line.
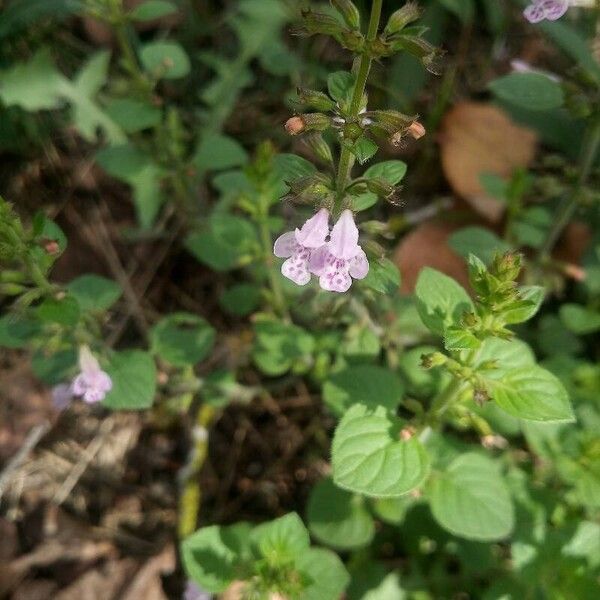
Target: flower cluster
(552,10)
(335,258)
(91,384)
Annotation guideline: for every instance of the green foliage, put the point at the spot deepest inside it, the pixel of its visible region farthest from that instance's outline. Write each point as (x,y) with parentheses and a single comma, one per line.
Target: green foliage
(166,60)
(471,499)
(182,339)
(94,293)
(337,518)
(368,458)
(272,557)
(529,90)
(133,377)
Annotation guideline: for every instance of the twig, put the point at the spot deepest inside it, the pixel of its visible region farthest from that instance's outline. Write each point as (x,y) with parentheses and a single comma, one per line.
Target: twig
(33,437)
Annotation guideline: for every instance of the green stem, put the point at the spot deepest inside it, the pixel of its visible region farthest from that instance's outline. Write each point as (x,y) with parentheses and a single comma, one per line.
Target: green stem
(589,151)
(346,157)
(279,303)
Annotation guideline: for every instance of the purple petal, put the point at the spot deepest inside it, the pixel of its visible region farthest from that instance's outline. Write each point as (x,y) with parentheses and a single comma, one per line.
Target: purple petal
(285,245)
(359,265)
(79,385)
(194,592)
(318,260)
(296,269)
(555,9)
(93,395)
(87,361)
(344,237)
(336,281)
(314,231)
(534,13)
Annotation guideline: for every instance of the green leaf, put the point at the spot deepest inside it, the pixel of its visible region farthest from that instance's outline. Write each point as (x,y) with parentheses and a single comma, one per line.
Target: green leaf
(54,368)
(212,554)
(579,319)
(281,540)
(508,355)
(531,299)
(182,339)
(470,499)
(531,393)
(369,458)
(133,115)
(388,589)
(64,311)
(481,242)
(441,301)
(495,186)
(392,510)
(533,91)
(94,293)
(225,244)
(152,9)
(133,375)
(32,85)
(240,299)
(216,151)
(370,385)
(457,338)
(166,60)
(340,85)
(363,201)
(279,346)
(133,166)
(337,518)
(16,331)
(383,277)
(289,167)
(393,171)
(325,573)
(364,149)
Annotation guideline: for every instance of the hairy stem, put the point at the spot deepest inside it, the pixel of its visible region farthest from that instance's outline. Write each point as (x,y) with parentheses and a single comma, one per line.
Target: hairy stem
(589,152)
(346,157)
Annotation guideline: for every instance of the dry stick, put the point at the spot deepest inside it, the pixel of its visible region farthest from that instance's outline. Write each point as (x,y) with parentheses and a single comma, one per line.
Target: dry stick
(33,437)
(114,262)
(79,469)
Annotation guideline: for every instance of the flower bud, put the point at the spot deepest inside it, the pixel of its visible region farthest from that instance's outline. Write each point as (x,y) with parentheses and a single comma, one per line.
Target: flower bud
(352,40)
(313,23)
(11,289)
(402,17)
(352,131)
(391,121)
(480,396)
(307,122)
(435,359)
(381,187)
(295,125)
(50,247)
(313,99)
(349,12)
(319,146)
(416,130)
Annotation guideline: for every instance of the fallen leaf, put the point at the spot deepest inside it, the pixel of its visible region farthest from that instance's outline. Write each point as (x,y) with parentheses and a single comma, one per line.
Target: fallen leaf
(147,583)
(427,246)
(478,138)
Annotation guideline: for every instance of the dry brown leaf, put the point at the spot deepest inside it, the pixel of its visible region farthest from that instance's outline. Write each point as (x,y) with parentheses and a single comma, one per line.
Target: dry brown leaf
(427,246)
(147,583)
(478,138)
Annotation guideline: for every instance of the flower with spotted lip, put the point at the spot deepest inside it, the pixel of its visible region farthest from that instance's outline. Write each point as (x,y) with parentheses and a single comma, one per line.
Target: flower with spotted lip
(552,10)
(299,245)
(92,383)
(341,258)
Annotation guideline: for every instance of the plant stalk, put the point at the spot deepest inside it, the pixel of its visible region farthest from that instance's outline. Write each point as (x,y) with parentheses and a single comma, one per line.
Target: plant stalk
(346,157)
(569,205)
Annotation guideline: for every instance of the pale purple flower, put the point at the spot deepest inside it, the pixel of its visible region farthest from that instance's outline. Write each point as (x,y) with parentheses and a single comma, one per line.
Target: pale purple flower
(92,383)
(341,258)
(194,592)
(62,395)
(298,246)
(552,10)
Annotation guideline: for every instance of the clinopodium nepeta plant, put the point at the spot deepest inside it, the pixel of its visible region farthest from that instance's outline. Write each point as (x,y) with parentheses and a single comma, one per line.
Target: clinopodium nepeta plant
(427,393)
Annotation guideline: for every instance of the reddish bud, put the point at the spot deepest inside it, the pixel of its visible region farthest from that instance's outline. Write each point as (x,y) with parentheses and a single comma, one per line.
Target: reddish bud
(416,130)
(51,247)
(295,125)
